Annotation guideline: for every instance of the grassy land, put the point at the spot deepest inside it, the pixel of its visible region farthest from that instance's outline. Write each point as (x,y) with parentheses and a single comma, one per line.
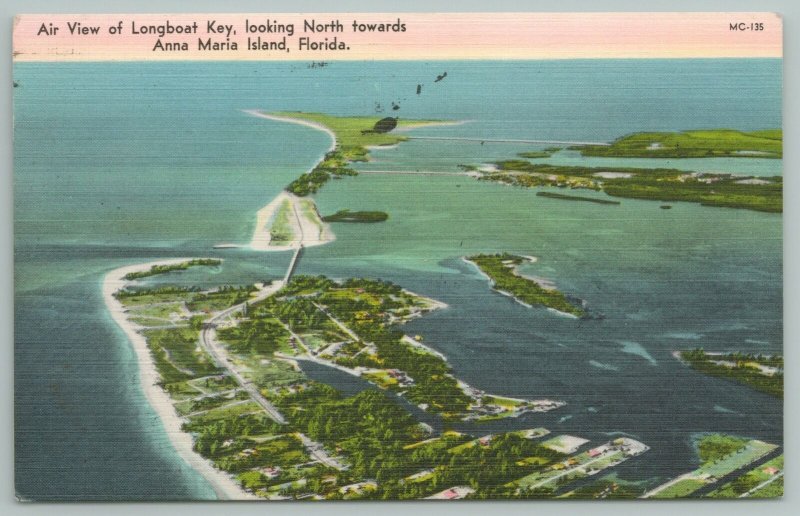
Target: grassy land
(764,374)
(356,216)
(354,135)
(681,489)
(712,143)
(501,270)
(281,229)
(163,269)
(722,190)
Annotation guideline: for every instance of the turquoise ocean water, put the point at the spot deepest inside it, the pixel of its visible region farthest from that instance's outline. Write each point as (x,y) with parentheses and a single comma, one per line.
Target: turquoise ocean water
(118,163)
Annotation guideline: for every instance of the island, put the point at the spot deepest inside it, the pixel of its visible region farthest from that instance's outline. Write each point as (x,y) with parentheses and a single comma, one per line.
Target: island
(163,269)
(544,153)
(501,270)
(230,362)
(709,143)
(760,372)
(660,184)
(357,216)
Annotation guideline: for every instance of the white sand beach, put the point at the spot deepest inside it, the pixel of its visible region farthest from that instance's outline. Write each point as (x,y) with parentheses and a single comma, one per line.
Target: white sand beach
(306,226)
(224,485)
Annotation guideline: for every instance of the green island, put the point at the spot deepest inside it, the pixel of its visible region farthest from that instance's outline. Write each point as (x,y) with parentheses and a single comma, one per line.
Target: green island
(502,272)
(710,143)
(163,269)
(720,456)
(763,373)
(554,195)
(544,153)
(354,136)
(722,190)
(357,216)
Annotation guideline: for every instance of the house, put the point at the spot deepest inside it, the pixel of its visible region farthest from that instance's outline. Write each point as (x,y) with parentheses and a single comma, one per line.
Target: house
(771,470)
(454,493)
(271,471)
(595,452)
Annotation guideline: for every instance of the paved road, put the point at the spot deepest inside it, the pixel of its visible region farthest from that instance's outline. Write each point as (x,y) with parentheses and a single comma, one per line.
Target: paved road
(210,343)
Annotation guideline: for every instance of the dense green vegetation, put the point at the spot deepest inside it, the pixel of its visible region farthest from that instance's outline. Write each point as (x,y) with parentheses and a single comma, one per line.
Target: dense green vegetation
(332,165)
(258,335)
(162,269)
(553,195)
(501,270)
(740,367)
(711,143)
(176,358)
(364,306)
(356,216)
(722,190)
(713,447)
(219,299)
(144,295)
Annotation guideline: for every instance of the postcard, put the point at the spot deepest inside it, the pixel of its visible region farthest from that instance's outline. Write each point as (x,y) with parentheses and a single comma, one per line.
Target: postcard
(396,256)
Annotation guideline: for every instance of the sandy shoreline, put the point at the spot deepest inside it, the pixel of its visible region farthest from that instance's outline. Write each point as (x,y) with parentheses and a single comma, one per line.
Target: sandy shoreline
(313,125)
(224,486)
(307,233)
(303,227)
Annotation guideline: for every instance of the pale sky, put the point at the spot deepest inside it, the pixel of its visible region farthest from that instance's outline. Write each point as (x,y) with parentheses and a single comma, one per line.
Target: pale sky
(428,36)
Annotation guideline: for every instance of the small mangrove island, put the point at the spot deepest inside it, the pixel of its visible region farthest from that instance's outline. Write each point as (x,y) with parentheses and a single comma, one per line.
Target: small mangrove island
(357,216)
(163,269)
(544,153)
(553,195)
(502,272)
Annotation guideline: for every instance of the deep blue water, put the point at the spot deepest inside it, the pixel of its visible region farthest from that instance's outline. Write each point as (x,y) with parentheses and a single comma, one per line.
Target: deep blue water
(119,163)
